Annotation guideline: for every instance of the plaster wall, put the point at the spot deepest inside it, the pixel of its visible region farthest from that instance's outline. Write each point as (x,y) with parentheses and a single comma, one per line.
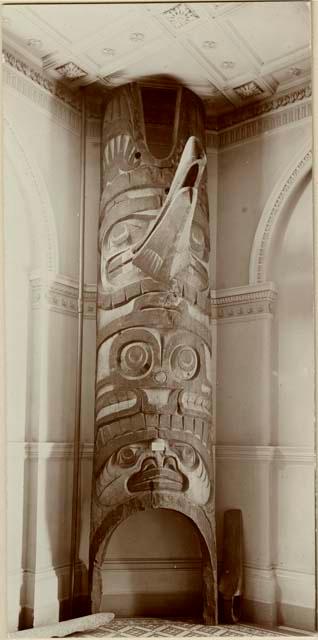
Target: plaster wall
(248,173)
(265,428)
(42,183)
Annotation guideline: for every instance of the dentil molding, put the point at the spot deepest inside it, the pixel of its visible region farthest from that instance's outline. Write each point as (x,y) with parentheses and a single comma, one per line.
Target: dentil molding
(271,214)
(245,301)
(60,294)
(264,107)
(63,105)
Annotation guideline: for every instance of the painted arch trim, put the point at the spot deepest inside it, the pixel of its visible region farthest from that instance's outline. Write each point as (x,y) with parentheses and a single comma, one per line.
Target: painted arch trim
(284,189)
(32,182)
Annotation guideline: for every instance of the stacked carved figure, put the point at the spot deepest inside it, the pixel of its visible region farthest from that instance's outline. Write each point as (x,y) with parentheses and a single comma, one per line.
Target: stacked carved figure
(154,442)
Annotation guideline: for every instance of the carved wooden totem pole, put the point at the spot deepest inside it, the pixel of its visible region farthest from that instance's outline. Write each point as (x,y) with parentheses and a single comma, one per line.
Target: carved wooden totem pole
(154,445)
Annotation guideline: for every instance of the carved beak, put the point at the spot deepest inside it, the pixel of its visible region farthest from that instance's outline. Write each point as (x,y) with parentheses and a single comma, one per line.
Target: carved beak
(166,249)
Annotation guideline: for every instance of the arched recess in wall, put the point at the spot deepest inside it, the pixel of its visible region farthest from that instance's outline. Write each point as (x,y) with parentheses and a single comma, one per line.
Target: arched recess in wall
(282,253)
(272,221)
(42,221)
(31,249)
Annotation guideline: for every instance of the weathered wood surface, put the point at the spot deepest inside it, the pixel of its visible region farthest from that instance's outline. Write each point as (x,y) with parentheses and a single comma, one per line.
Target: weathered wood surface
(154,442)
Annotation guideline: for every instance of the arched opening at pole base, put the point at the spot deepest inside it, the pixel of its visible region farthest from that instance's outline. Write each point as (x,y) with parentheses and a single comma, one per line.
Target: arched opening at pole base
(101,539)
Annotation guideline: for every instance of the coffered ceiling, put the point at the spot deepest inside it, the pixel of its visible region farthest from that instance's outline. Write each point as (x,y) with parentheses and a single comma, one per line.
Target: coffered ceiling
(230,53)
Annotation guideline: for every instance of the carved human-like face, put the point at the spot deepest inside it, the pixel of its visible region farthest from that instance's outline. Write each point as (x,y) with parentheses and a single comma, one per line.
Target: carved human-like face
(153,465)
(160,370)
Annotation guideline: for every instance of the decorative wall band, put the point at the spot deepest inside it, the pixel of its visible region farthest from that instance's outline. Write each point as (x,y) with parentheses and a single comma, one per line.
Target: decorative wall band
(264,107)
(259,453)
(47,450)
(152,564)
(243,301)
(244,131)
(53,97)
(61,295)
(242,453)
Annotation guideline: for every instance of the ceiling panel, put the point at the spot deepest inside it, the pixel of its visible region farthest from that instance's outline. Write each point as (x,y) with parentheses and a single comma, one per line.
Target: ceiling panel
(234,53)
(127,38)
(219,52)
(271,30)
(75,22)
(171,69)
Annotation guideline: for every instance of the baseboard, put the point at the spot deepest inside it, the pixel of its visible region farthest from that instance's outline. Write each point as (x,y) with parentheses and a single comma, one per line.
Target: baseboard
(153,604)
(297,617)
(269,614)
(261,613)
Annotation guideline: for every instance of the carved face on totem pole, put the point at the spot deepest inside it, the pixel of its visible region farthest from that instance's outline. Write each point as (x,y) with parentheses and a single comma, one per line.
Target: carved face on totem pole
(154,443)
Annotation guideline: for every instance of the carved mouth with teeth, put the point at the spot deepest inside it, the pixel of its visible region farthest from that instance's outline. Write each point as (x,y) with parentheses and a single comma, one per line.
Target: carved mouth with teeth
(154,476)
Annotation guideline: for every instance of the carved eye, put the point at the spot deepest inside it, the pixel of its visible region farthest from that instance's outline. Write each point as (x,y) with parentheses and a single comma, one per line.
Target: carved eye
(189,456)
(136,359)
(127,456)
(184,362)
(119,234)
(186,454)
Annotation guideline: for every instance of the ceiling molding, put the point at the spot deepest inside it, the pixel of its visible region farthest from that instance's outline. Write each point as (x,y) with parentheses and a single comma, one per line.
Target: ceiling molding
(229,129)
(55,88)
(253,128)
(264,107)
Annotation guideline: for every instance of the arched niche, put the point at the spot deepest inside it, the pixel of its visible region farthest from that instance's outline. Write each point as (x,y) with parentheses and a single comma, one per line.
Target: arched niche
(275,215)
(30,253)
(203,547)
(291,269)
(41,221)
(293,432)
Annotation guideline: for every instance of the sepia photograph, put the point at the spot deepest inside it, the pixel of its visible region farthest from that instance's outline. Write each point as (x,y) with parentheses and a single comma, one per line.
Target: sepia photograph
(159,334)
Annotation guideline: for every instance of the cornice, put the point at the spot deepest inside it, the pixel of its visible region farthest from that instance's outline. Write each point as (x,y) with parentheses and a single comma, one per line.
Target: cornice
(238,302)
(65,106)
(222,131)
(286,117)
(56,89)
(264,107)
(60,294)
